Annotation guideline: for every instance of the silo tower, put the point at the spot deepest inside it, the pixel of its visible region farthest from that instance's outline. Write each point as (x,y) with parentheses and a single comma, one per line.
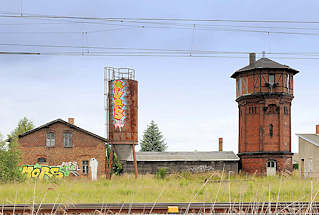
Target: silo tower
(264,92)
(121,97)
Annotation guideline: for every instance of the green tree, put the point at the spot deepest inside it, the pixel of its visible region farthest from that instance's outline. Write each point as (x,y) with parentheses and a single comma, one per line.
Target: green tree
(24,125)
(153,140)
(10,156)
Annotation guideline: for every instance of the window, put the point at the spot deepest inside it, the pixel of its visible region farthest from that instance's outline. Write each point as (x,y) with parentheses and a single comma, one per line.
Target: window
(67,139)
(42,160)
(238,80)
(271,130)
(287,81)
(271,163)
(271,80)
(285,110)
(50,142)
(85,167)
(252,110)
(240,86)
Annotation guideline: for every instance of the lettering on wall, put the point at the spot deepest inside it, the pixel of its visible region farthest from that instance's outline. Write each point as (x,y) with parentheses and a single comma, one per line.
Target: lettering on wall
(119,103)
(38,171)
(70,167)
(60,171)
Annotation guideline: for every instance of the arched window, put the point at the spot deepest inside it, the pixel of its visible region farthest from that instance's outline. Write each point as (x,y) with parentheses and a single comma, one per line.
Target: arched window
(271,130)
(42,160)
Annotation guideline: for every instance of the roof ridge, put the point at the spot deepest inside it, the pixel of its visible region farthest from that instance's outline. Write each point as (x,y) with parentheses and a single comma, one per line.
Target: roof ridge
(66,123)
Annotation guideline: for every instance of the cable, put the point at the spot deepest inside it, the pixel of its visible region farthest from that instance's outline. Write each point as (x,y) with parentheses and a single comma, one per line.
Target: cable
(138,55)
(158,19)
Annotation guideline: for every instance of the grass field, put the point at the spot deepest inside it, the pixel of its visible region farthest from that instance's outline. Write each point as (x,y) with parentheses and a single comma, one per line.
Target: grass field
(184,187)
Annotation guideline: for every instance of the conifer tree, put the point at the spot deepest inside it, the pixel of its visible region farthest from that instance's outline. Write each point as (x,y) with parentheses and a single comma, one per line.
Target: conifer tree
(153,140)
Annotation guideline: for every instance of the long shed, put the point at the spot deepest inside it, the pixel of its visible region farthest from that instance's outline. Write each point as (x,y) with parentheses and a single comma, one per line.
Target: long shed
(151,162)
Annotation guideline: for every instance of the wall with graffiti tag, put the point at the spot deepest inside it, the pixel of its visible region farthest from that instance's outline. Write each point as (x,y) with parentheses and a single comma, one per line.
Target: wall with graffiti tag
(43,172)
(119,103)
(38,171)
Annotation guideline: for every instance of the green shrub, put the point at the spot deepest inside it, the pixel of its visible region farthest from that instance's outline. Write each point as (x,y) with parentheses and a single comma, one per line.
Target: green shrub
(161,173)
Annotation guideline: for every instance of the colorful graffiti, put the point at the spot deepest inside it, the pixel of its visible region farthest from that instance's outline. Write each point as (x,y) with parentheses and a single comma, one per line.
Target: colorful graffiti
(70,167)
(38,171)
(119,103)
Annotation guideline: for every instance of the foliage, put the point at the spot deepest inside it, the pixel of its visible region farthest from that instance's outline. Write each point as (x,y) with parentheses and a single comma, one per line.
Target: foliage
(295,166)
(161,173)
(117,166)
(10,156)
(24,125)
(153,140)
(175,188)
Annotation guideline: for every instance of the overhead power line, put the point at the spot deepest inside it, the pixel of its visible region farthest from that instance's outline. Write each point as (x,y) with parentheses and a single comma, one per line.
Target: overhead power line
(141,54)
(159,19)
(153,50)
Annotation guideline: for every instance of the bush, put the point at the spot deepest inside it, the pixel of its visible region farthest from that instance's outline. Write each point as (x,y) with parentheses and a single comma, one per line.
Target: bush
(161,173)
(9,169)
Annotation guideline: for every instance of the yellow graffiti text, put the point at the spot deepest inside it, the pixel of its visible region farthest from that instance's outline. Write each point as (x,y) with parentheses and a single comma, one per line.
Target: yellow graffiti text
(41,172)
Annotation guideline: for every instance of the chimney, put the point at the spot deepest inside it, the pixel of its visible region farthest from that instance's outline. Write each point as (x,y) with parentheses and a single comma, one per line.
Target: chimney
(252,58)
(71,121)
(317,129)
(220,140)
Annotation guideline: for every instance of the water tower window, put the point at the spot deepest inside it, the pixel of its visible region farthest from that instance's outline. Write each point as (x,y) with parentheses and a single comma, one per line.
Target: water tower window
(240,86)
(271,79)
(287,81)
(271,130)
(286,110)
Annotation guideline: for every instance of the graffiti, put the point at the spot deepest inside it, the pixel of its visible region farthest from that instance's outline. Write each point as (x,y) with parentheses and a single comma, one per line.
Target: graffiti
(70,167)
(119,103)
(201,168)
(38,171)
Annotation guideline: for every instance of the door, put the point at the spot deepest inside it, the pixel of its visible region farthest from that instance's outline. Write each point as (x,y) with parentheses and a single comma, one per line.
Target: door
(271,168)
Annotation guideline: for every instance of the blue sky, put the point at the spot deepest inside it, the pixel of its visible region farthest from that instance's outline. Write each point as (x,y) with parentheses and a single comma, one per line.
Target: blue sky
(191,99)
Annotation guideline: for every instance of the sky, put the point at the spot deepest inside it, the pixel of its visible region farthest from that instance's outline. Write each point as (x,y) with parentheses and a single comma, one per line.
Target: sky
(192,99)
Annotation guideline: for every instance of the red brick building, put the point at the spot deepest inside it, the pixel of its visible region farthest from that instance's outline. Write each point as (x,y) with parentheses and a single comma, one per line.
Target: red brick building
(264,92)
(60,148)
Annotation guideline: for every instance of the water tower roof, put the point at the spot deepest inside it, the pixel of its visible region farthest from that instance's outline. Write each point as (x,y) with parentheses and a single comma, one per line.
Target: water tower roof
(264,63)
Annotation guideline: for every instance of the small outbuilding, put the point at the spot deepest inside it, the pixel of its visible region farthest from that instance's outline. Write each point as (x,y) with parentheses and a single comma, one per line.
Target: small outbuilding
(151,162)
(309,153)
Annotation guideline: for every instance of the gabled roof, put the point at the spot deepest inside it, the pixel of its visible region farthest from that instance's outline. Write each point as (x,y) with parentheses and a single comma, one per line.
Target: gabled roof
(264,63)
(67,124)
(311,138)
(186,156)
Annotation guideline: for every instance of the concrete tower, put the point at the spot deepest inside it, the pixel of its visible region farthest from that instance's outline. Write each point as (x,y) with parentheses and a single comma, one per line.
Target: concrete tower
(264,92)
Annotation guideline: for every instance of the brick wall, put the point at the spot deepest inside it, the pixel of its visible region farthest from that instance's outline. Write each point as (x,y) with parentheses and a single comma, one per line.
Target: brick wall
(178,166)
(257,163)
(85,147)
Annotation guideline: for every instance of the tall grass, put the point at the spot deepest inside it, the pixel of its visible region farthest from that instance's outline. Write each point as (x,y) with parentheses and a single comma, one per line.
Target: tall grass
(183,187)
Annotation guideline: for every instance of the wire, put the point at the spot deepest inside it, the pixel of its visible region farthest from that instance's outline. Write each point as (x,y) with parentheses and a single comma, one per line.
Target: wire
(110,54)
(157,50)
(159,19)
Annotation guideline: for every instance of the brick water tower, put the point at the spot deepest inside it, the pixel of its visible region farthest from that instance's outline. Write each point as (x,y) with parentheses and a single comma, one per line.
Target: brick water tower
(264,92)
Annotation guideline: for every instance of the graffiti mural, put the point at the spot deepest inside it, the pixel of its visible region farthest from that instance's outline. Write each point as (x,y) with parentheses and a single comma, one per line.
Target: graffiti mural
(70,167)
(119,103)
(38,171)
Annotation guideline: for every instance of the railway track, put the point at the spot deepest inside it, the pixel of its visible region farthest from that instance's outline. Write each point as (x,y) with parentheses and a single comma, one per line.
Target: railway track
(165,208)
